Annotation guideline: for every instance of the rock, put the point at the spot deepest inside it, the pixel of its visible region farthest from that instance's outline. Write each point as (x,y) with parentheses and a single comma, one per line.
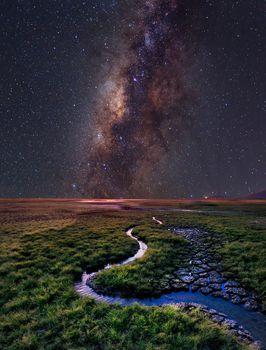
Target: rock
(244,335)
(253,296)
(217,319)
(203,282)
(212,312)
(176,280)
(165,286)
(205,290)
(215,277)
(182,272)
(236,299)
(251,305)
(180,305)
(203,274)
(228,290)
(180,286)
(197,262)
(231,284)
(196,305)
(197,270)
(239,291)
(215,286)
(217,294)
(194,288)
(205,267)
(225,296)
(187,279)
(236,291)
(230,324)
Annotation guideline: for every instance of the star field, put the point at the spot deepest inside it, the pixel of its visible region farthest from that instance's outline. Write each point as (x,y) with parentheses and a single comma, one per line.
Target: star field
(132,98)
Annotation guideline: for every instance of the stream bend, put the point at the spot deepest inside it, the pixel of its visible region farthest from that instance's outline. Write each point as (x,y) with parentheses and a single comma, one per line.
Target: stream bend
(220,310)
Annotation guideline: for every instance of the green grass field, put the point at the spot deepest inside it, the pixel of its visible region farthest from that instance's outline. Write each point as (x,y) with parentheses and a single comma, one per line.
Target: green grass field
(41,259)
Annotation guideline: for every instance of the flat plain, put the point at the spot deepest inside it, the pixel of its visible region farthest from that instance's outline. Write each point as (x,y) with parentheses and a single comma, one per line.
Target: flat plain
(46,245)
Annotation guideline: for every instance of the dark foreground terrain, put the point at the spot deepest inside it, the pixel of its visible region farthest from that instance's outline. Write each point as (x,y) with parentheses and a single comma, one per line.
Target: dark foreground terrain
(46,245)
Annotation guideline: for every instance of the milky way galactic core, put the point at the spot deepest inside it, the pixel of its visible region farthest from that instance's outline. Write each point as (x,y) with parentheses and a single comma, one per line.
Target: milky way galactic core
(126,98)
(144,100)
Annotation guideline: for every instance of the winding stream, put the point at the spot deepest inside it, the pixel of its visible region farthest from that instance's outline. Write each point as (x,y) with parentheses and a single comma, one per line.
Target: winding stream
(254,322)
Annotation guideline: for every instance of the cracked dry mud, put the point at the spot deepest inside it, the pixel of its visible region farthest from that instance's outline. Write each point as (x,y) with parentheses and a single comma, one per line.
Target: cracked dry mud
(204,271)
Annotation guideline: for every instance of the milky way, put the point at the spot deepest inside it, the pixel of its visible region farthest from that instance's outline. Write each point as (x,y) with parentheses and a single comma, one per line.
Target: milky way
(132,98)
(142,104)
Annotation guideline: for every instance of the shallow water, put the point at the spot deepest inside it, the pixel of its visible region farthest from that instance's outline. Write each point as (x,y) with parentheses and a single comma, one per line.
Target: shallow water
(254,322)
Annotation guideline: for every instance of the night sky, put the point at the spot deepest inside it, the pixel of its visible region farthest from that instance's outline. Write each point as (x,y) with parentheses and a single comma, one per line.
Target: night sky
(126,98)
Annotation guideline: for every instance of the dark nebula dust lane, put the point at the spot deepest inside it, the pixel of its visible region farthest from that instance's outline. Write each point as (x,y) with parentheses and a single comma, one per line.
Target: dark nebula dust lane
(144,100)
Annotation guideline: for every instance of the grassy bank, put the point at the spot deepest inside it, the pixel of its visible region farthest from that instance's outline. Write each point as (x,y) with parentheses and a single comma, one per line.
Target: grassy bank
(39,308)
(149,276)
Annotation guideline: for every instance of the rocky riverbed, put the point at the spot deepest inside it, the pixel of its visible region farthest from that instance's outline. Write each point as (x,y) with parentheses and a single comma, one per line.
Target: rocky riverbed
(204,271)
